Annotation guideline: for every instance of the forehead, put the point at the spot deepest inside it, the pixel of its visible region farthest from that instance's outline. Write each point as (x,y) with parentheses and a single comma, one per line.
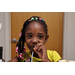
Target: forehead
(35,26)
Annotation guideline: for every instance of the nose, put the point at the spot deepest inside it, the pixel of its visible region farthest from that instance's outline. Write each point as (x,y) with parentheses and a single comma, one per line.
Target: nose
(35,41)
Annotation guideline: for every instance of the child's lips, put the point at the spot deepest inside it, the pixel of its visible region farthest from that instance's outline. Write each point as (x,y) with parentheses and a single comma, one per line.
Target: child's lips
(33,46)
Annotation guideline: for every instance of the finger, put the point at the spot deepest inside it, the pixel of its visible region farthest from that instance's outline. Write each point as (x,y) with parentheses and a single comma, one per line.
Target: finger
(36,50)
(41,48)
(38,45)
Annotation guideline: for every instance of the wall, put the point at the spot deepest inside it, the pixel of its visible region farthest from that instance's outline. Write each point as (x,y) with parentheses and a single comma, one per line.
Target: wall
(69,36)
(5,34)
(2,34)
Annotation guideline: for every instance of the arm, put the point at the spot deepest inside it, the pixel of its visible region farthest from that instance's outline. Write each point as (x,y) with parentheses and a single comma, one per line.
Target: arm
(15,59)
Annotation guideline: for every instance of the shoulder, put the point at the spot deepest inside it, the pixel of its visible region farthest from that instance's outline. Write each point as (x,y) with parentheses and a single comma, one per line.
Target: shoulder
(51,52)
(27,54)
(53,55)
(15,59)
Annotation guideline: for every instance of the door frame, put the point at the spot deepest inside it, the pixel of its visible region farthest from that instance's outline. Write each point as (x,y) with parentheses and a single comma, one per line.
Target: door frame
(7,38)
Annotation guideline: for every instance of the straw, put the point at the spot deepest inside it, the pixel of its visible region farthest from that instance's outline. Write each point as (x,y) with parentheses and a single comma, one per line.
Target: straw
(32,57)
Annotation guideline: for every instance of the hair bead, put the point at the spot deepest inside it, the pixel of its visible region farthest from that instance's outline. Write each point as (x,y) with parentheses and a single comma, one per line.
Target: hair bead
(20,34)
(32,18)
(16,49)
(40,19)
(36,18)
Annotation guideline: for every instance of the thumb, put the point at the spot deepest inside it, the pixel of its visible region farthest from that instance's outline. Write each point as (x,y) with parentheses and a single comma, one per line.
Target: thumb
(35,50)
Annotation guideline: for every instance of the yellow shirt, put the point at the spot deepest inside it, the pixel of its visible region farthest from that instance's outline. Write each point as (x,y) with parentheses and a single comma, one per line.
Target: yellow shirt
(53,56)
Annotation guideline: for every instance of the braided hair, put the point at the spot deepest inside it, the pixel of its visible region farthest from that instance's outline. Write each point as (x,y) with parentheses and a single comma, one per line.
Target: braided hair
(20,49)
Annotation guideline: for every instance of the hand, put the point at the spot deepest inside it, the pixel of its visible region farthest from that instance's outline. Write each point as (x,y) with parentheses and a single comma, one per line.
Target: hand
(42,52)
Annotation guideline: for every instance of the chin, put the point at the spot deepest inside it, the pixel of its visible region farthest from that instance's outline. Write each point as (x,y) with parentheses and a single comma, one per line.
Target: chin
(31,50)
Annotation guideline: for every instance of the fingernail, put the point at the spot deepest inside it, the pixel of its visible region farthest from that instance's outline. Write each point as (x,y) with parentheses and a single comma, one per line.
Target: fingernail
(38,49)
(34,48)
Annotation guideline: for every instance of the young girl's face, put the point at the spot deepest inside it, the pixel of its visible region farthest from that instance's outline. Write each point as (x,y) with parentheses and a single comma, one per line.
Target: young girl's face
(35,34)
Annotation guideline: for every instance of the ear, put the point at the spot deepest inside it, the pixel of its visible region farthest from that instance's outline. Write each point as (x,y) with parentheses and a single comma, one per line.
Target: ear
(46,38)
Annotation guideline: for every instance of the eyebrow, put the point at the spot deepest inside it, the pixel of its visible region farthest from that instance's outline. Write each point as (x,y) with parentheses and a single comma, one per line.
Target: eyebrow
(41,33)
(28,33)
(38,33)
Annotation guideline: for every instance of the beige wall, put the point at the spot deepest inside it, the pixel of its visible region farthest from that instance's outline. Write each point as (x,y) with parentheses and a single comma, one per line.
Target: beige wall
(68,36)
(5,34)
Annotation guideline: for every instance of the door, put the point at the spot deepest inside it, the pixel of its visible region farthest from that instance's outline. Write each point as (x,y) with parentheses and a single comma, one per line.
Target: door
(54,20)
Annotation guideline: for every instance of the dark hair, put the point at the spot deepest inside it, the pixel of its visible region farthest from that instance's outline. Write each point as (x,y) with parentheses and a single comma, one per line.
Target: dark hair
(21,41)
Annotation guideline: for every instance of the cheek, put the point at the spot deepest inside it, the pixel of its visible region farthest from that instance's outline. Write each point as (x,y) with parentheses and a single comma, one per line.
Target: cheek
(27,41)
(42,41)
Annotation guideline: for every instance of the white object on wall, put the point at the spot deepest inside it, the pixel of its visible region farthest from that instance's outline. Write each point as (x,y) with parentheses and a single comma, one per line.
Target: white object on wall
(0,26)
(0,60)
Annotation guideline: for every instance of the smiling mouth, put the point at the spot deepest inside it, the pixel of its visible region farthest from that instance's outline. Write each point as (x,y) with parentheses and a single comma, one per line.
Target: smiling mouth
(32,46)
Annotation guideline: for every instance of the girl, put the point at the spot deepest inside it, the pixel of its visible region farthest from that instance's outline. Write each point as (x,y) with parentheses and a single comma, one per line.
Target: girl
(34,34)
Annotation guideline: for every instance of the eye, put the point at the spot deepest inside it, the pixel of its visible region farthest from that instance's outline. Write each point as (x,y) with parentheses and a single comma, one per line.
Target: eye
(40,37)
(29,36)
